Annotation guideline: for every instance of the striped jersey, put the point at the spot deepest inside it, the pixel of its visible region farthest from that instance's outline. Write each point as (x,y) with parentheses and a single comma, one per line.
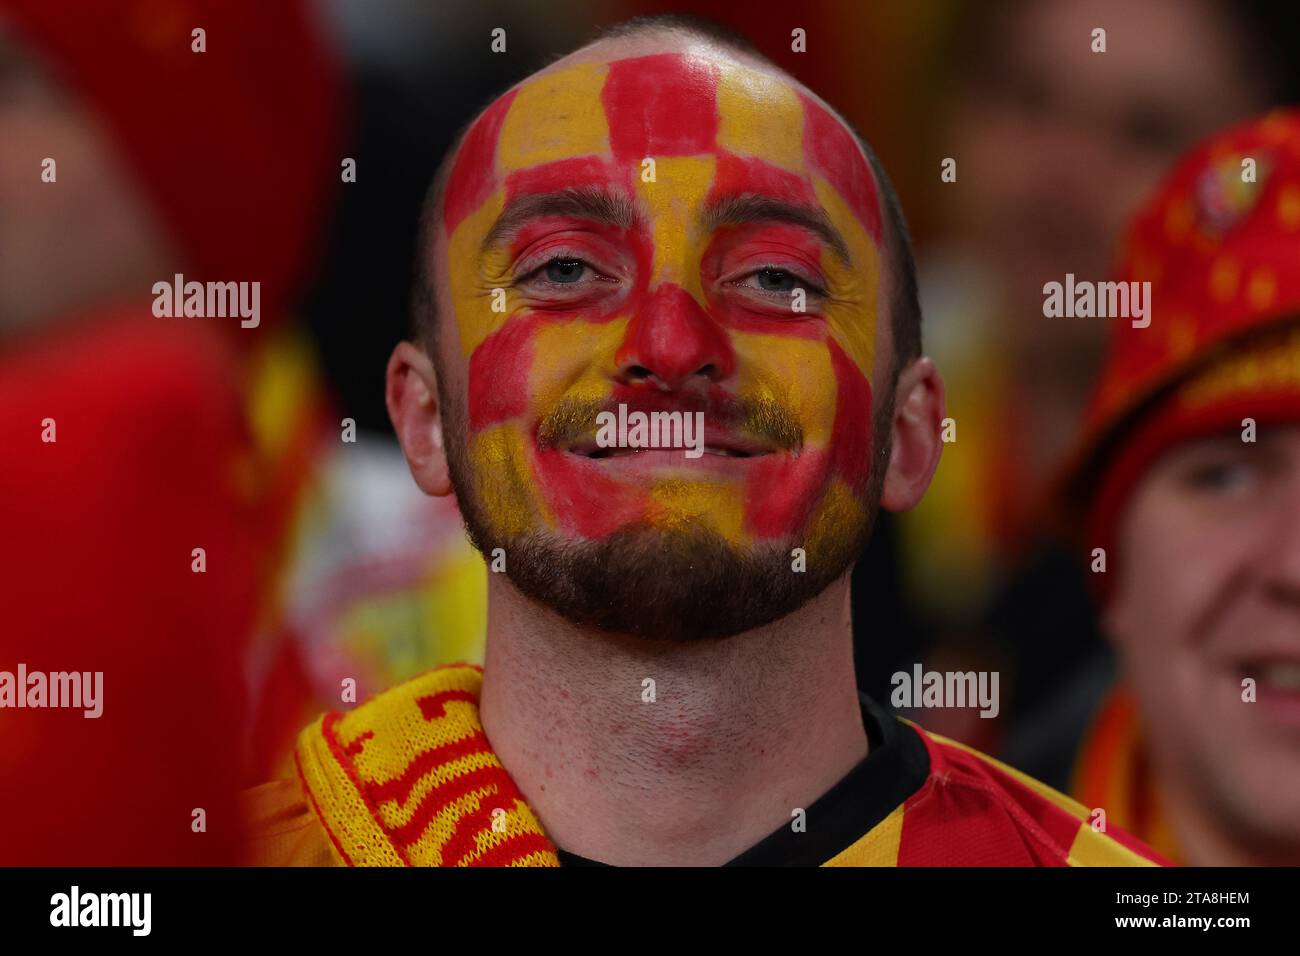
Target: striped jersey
(410,779)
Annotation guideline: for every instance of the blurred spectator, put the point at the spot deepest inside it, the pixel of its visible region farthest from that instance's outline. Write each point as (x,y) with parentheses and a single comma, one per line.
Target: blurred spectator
(1054,143)
(140,140)
(1188,473)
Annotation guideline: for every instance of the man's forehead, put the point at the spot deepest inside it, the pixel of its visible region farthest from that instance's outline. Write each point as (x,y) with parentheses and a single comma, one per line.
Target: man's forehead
(683,68)
(597,116)
(614,49)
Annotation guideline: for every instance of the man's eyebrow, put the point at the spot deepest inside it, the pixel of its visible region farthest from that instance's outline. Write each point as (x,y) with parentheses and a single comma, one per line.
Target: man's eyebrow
(584,202)
(740,210)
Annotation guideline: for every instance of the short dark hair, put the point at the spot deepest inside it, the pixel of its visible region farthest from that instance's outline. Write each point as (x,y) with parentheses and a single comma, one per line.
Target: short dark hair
(904,301)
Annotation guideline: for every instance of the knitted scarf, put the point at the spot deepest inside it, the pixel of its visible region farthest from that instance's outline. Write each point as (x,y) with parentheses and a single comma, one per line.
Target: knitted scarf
(409,779)
(1113,771)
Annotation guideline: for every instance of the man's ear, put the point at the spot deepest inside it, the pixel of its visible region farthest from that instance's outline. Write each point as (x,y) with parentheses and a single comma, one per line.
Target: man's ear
(412,395)
(917,430)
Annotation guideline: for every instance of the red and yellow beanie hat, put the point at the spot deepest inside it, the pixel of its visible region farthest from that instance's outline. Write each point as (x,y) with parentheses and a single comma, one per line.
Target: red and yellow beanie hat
(1220,244)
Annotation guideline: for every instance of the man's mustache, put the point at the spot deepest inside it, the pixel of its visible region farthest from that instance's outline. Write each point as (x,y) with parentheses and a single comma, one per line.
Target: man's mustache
(765,420)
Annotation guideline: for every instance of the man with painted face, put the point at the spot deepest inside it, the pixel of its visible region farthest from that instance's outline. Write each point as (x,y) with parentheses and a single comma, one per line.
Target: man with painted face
(666,222)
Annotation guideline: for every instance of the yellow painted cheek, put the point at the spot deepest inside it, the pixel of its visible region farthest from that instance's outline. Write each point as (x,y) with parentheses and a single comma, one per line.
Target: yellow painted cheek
(674,201)
(574,360)
(472,277)
(760,115)
(679,504)
(835,524)
(555,116)
(853,318)
(795,373)
(507,488)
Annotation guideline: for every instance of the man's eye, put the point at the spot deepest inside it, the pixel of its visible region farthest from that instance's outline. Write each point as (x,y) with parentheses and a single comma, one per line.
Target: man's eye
(566,279)
(564,270)
(779,281)
(776,280)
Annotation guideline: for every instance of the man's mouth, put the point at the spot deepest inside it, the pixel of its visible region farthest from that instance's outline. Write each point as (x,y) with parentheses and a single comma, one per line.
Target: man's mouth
(589,449)
(1277,683)
(1280,675)
(669,431)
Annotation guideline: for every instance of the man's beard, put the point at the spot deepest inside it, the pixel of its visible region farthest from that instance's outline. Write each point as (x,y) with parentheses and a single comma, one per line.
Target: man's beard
(680,583)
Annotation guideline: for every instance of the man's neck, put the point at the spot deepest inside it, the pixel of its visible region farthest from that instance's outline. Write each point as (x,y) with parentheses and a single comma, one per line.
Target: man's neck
(634,752)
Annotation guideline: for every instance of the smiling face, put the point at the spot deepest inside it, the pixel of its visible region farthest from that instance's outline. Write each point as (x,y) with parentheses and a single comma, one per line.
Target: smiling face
(671,231)
(1209,595)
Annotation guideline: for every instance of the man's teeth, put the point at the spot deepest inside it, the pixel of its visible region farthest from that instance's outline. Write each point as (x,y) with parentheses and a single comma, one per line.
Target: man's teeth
(708,450)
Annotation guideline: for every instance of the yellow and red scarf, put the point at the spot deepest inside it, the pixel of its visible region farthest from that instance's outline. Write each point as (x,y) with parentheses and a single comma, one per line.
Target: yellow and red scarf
(409,779)
(1113,771)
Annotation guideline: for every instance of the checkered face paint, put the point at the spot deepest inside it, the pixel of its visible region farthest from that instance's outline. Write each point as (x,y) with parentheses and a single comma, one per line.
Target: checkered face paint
(650,220)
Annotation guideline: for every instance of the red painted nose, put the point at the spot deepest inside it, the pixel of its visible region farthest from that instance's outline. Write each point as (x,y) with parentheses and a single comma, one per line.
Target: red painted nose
(671,343)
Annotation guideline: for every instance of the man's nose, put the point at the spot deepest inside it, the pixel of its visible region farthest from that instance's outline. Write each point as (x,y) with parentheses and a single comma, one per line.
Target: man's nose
(671,343)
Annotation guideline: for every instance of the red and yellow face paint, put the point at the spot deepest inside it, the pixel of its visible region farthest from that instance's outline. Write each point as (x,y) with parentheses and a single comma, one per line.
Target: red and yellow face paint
(673,313)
